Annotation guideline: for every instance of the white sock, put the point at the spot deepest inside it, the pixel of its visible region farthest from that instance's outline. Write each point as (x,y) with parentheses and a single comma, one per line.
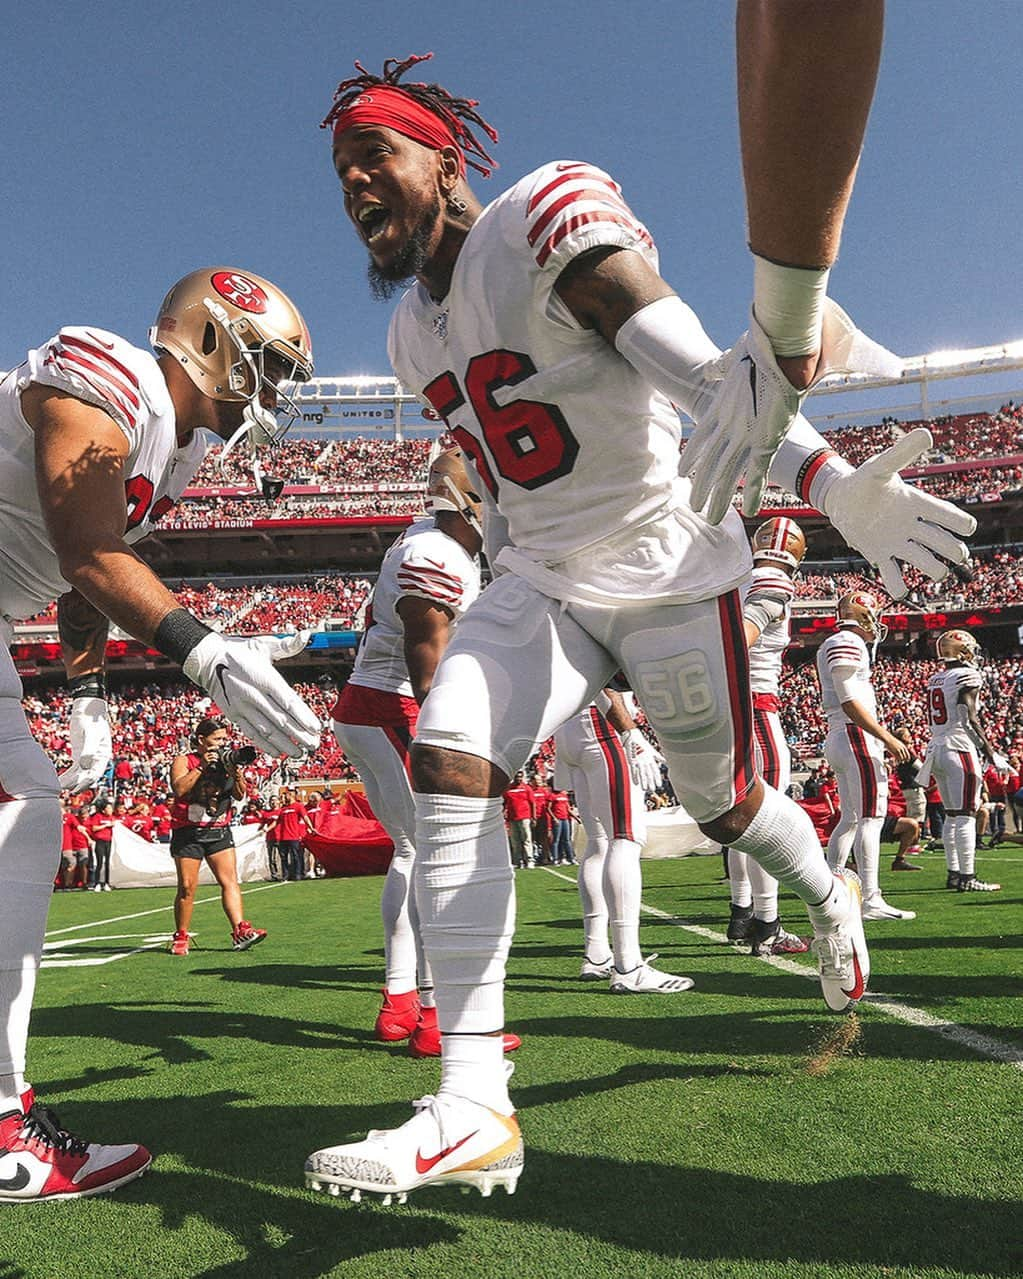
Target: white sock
(868,854)
(465,890)
(740,890)
(596,946)
(966,843)
(472,1066)
(950,840)
(11,1089)
(623,888)
(782,839)
(399,936)
(765,891)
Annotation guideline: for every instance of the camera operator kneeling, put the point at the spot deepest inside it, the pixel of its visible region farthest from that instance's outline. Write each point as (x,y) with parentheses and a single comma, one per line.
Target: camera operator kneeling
(205,784)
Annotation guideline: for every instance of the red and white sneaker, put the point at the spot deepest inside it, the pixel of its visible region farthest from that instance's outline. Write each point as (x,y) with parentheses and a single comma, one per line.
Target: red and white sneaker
(842,957)
(180,942)
(425,1041)
(398,1016)
(39,1160)
(449,1141)
(243,935)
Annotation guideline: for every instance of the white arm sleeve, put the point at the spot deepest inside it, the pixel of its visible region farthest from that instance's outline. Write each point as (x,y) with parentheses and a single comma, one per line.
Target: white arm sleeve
(666,343)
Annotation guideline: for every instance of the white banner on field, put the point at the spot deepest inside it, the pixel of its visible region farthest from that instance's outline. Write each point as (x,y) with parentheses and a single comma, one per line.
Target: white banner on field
(139,863)
(670,832)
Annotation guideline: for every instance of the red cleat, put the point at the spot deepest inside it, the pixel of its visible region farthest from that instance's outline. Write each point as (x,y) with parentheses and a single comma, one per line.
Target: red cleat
(179,943)
(39,1160)
(243,935)
(398,1016)
(425,1041)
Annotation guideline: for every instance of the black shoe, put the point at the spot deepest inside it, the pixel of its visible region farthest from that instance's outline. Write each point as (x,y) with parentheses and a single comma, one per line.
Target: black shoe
(740,925)
(763,935)
(952,880)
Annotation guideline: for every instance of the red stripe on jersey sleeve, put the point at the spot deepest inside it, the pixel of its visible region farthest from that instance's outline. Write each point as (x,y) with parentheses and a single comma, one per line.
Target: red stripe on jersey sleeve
(104,389)
(409,581)
(441,575)
(578,175)
(69,339)
(584,219)
(584,196)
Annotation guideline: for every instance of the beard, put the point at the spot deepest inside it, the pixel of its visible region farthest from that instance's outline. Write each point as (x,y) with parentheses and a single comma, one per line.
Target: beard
(384,282)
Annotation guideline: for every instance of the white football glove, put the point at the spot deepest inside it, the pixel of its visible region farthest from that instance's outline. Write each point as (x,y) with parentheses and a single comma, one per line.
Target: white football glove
(239,675)
(999,763)
(753,405)
(644,761)
(89,739)
(887,520)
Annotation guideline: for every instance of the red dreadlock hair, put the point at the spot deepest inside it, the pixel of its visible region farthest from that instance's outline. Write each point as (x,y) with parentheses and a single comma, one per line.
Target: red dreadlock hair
(456,113)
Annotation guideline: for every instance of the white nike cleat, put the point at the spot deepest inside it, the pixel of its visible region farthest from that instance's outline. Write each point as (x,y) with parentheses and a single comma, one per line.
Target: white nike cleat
(841,949)
(449,1141)
(644,980)
(878,908)
(596,972)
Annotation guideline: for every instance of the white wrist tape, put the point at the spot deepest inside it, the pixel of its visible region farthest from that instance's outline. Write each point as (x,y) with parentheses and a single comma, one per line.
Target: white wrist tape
(666,343)
(806,465)
(788,302)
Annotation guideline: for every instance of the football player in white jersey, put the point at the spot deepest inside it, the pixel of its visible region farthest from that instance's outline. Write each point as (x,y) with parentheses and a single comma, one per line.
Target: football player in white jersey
(427,580)
(540,329)
(953,713)
(602,755)
(856,743)
(97,440)
(778,550)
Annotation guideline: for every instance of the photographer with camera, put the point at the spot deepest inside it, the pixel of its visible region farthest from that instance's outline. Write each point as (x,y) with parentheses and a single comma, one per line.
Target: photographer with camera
(205,784)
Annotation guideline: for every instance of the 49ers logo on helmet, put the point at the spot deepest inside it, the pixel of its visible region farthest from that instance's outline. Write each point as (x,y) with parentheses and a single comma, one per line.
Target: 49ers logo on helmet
(242,292)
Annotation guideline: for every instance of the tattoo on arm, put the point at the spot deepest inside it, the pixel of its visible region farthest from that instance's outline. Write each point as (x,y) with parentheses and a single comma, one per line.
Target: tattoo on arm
(83,634)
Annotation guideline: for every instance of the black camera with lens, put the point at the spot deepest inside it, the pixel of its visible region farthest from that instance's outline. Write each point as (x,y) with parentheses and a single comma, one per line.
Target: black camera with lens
(221,772)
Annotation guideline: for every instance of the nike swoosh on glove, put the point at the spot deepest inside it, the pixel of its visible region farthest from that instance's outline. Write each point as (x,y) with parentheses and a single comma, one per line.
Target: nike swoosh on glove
(89,740)
(887,520)
(239,675)
(644,762)
(753,406)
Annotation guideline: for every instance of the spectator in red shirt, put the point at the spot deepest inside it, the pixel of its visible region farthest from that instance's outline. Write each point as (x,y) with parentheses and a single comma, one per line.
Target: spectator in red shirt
(123,773)
(161,816)
(101,828)
(996,782)
(75,845)
(559,806)
(271,818)
(519,812)
(1012,786)
(139,820)
(541,821)
(292,824)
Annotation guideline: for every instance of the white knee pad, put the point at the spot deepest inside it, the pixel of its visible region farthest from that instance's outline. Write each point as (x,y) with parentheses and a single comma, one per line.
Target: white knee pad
(465,891)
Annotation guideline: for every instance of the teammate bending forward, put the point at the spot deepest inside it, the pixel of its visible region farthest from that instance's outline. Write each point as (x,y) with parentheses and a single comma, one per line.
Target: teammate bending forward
(97,440)
(541,331)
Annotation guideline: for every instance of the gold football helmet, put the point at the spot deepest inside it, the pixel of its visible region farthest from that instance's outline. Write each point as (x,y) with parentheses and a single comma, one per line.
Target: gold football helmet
(237,336)
(779,541)
(861,608)
(958,646)
(449,487)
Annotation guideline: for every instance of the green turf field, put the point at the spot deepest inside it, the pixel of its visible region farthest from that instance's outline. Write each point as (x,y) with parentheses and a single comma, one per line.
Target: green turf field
(707,1134)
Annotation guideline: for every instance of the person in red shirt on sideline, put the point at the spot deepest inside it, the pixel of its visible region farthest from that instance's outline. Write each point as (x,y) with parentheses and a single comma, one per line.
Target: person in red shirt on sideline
(75,845)
(541,821)
(139,820)
(161,816)
(996,782)
(519,813)
(271,820)
(292,825)
(1012,786)
(559,808)
(204,785)
(101,828)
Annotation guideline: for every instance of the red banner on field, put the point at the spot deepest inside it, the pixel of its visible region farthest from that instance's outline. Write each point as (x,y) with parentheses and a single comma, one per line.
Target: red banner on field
(350,840)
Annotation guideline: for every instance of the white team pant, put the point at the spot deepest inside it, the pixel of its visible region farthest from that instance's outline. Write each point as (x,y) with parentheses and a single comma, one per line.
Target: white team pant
(30,830)
(380,754)
(591,761)
(958,775)
(858,760)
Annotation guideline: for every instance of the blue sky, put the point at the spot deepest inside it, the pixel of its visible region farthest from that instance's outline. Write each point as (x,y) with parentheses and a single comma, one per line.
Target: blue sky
(144,140)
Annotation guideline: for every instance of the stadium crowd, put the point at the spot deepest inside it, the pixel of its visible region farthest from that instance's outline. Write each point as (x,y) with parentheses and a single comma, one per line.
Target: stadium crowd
(324,462)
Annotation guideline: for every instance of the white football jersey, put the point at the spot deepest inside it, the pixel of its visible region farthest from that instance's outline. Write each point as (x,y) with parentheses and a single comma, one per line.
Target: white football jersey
(423,562)
(846,655)
(946,714)
(580,453)
(105,370)
(771,592)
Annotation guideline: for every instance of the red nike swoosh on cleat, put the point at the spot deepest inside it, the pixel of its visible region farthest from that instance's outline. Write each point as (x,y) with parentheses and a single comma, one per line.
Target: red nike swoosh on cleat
(424,1165)
(858,984)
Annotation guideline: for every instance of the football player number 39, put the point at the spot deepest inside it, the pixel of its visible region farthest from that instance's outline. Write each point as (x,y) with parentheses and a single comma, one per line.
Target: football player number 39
(530,442)
(677,693)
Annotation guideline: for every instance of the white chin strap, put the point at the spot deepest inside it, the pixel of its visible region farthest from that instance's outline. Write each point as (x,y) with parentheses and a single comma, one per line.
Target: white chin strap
(252,431)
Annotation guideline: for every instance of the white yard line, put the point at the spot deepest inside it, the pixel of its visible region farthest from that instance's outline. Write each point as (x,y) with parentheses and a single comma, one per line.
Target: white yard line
(982,1044)
(141,914)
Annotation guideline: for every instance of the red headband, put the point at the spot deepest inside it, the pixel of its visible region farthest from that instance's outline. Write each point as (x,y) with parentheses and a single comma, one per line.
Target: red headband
(395,109)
